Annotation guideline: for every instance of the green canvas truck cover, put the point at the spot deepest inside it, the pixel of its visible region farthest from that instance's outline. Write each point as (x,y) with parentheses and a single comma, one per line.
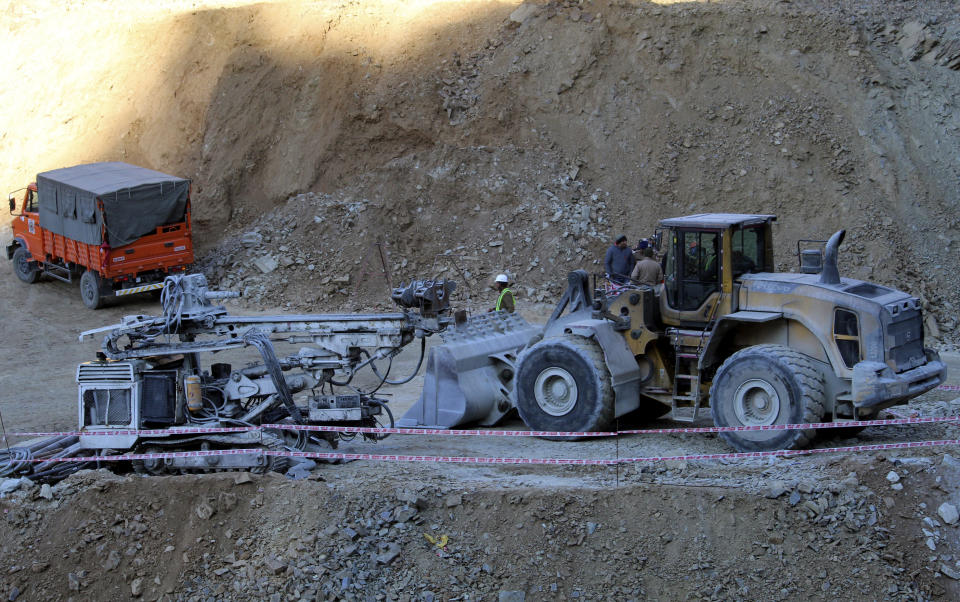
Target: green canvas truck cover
(136,201)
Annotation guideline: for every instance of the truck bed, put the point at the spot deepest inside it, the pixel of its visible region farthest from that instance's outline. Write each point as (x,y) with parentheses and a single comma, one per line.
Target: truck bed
(167,247)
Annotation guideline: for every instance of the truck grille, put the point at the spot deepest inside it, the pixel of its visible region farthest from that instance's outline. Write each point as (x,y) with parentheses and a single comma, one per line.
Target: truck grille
(905,340)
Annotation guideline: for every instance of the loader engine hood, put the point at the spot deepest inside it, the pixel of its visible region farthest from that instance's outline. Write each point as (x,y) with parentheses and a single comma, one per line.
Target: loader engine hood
(881,295)
(890,322)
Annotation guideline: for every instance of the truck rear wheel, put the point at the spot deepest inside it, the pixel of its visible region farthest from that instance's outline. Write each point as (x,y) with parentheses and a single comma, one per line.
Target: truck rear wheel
(766,385)
(26,270)
(563,384)
(91,290)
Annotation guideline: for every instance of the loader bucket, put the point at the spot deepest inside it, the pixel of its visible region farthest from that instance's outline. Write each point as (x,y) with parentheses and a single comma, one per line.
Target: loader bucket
(469,378)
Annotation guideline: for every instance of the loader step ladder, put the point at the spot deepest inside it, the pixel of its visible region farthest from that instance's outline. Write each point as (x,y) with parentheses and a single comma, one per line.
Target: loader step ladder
(60,272)
(685,404)
(688,346)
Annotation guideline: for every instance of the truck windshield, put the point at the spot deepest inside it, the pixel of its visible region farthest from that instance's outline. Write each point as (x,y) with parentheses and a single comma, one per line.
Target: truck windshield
(32,201)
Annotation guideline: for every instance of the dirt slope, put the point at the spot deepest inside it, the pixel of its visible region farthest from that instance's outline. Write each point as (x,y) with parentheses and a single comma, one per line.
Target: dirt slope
(836,529)
(471,138)
(518,142)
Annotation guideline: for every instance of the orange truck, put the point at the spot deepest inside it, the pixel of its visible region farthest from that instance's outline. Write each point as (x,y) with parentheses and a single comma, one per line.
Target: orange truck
(121,228)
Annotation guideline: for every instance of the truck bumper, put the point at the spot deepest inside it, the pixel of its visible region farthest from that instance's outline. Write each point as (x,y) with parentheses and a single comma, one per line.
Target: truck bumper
(876,385)
(11,248)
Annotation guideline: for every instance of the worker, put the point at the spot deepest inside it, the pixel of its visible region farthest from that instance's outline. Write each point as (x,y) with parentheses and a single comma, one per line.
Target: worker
(742,264)
(647,271)
(506,301)
(691,262)
(642,244)
(708,270)
(619,260)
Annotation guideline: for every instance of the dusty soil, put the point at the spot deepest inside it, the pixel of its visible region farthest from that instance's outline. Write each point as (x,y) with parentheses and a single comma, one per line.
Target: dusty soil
(505,140)
(471,138)
(815,528)
(818,526)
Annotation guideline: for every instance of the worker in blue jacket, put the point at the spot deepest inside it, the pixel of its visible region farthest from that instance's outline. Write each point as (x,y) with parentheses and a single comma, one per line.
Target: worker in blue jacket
(619,261)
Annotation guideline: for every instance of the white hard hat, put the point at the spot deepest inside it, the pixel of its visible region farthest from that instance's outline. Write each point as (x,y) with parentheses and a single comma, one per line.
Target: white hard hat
(502,278)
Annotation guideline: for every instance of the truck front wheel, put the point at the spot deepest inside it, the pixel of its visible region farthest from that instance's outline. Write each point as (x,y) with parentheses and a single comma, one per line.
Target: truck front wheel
(766,385)
(26,270)
(91,290)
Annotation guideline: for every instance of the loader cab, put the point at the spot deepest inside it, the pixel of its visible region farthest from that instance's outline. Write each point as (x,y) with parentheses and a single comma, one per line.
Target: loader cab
(703,256)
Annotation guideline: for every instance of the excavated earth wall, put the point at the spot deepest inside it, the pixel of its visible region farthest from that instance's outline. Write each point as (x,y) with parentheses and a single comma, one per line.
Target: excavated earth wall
(482,136)
(470,138)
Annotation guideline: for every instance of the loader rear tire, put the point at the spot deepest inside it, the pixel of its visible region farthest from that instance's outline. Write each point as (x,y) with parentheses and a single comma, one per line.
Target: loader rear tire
(563,384)
(25,268)
(90,290)
(766,385)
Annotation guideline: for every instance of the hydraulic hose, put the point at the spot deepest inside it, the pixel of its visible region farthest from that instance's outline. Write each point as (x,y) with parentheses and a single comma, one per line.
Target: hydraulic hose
(423,351)
(259,340)
(20,459)
(377,402)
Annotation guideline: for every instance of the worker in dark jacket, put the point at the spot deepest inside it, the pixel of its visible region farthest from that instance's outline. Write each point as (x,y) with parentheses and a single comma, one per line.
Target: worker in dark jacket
(619,261)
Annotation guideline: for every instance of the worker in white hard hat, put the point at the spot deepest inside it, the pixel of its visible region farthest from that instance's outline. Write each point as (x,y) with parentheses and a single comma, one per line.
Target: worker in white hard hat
(506,301)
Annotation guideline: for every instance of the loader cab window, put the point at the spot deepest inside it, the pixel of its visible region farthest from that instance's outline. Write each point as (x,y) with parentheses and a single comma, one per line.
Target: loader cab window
(748,251)
(33,201)
(692,268)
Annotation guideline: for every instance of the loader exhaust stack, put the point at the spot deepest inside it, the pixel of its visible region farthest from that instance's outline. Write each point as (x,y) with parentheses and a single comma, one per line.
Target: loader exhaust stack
(831,273)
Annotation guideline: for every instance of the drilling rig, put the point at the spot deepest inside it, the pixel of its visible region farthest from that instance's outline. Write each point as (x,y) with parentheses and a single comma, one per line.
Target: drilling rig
(150,390)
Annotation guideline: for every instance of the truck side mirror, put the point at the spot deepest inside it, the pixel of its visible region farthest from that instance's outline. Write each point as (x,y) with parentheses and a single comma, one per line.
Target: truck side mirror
(13,203)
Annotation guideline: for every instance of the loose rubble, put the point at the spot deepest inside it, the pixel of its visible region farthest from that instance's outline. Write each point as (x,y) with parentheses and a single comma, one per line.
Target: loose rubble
(413,534)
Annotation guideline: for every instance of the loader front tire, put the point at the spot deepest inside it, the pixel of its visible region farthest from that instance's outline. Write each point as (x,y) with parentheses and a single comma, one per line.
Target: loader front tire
(563,384)
(90,290)
(766,385)
(25,268)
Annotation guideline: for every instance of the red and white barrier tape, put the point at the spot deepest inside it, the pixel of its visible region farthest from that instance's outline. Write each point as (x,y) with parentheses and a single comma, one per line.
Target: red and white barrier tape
(489,432)
(141,432)
(495,433)
(491,460)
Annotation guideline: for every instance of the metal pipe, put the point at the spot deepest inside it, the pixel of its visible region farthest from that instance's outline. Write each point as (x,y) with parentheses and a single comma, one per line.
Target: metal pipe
(831,273)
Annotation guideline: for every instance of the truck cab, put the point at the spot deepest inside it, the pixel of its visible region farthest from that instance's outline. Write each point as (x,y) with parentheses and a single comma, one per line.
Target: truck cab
(26,232)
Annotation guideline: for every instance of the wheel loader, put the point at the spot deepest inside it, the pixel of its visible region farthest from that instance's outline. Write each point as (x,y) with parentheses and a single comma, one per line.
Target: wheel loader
(723,332)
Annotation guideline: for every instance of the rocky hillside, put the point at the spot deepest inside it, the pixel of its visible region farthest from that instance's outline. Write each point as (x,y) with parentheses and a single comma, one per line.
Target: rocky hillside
(472,138)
